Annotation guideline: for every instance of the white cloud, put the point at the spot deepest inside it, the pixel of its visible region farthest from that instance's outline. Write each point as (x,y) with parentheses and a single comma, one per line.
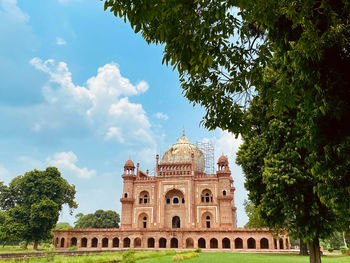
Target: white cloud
(12,10)
(227,144)
(103,104)
(60,41)
(66,162)
(115,132)
(161,116)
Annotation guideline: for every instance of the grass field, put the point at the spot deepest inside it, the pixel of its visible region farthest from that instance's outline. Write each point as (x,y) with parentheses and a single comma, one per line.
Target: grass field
(227,257)
(167,256)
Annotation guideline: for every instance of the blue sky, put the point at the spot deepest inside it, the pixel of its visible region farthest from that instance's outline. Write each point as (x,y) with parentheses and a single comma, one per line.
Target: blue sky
(80,91)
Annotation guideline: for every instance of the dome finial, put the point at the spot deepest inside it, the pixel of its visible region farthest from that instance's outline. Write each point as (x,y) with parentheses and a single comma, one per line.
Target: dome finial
(183,131)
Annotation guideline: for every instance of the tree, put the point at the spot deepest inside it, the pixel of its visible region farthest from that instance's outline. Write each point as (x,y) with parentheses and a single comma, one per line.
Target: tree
(335,241)
(99,219)
(62,226)
(33,203)
(295,52)
(307,57)
(255,220)
(280,181)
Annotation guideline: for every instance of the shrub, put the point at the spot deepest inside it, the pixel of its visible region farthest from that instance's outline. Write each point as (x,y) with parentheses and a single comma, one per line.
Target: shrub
(180,257)
(73,248)
(343,250)
(129,256)
(198,250)
(330,249)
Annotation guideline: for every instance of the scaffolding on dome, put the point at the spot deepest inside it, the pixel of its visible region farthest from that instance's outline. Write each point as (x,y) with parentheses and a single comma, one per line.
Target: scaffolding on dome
(208,152)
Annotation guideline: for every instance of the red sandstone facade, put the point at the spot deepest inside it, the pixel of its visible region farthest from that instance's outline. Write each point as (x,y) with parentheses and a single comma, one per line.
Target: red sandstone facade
(179,207)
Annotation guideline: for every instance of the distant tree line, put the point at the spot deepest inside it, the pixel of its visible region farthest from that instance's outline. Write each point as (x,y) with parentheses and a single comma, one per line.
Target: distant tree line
(99,219)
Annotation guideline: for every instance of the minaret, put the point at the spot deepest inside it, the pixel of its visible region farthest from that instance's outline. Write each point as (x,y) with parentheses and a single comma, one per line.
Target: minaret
(127,199)
(226,195)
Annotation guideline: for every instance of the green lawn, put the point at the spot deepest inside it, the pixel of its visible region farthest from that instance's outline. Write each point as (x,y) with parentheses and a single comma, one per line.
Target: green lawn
(166,256)
(15,249)
(223,257)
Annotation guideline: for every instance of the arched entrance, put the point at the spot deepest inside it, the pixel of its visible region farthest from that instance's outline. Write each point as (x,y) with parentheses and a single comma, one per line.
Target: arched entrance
(150,242)
(264,243)
(174,243)
(213,243)
(162,243)
(115,242)
(126,242)
(226,243)
(207,219)
(189,243)
(281,244)
(105,242)
(94,242)
(175,222)
(251,243)
(143,221)
(201,243)
(137,242)
(73,241)
(84,242)
(238,243)
(62,242)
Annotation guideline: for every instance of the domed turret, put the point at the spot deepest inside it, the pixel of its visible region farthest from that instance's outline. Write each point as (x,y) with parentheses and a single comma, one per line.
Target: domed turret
(181,152)
(129,167)
(223,163)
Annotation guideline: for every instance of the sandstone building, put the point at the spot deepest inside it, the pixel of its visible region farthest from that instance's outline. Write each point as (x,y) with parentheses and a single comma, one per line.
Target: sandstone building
(179,207)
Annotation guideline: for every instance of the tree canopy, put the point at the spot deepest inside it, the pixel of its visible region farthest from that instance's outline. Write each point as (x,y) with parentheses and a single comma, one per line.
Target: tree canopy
(279,178)
(62,226)
(99,219)
(32,203)
(294,53)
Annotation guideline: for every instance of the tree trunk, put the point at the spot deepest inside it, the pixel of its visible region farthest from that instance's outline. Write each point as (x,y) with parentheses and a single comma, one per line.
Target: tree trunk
(303,248)
(26,244)
(345,244)
(315,253)
(35,244)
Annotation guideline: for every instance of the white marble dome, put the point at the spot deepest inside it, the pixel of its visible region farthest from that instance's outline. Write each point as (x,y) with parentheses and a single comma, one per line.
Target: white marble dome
(181,152)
